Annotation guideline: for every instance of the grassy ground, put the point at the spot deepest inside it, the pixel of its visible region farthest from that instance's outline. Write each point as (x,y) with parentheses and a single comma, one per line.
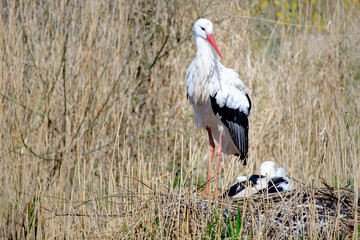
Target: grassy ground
(95,126)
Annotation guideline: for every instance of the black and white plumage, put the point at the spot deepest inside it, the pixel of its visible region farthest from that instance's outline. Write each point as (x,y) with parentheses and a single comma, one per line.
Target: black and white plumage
(218,96)
(270,180)
(236,121)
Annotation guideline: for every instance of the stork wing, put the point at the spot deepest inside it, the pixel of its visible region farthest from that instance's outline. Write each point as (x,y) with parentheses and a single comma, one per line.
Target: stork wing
(235,189)
(236,120)
(277,185)
(238,189)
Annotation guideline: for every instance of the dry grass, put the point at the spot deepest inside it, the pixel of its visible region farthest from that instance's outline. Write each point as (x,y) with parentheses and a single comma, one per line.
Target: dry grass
(96,129)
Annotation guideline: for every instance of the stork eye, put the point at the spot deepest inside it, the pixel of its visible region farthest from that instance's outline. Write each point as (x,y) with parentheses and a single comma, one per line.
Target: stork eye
(202,28)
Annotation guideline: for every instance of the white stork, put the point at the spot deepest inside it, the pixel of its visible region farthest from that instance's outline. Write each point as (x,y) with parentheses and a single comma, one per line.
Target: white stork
(272,179)
(219,98)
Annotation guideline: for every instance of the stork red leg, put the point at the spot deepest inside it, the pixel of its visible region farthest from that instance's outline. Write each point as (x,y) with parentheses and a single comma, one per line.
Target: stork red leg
(212,148)
(218,154)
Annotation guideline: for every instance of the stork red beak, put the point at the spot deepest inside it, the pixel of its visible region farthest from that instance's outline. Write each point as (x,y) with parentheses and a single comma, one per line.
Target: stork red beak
(211,40)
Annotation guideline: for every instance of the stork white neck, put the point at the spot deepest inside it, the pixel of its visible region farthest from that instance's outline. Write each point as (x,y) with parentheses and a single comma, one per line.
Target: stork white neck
(204,50)
(205,69)
(206,58)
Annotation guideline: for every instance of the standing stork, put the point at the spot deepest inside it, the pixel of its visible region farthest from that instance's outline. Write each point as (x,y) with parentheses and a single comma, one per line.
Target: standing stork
(219,98)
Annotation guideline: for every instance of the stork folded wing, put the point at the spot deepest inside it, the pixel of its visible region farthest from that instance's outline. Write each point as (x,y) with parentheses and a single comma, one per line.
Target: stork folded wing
(237,123)
(247,187)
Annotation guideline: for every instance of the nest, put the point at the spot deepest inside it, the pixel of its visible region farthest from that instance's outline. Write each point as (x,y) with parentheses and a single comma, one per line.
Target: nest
(302,213)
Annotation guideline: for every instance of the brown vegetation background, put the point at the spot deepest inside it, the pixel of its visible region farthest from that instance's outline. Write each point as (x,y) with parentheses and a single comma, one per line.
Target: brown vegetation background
(94,119)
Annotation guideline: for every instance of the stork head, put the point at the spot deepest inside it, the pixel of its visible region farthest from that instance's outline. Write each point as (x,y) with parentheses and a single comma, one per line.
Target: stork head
(203,28)
(268,169)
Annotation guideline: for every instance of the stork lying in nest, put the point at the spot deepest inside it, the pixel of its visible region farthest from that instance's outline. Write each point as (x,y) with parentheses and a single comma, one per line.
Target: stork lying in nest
(272,179)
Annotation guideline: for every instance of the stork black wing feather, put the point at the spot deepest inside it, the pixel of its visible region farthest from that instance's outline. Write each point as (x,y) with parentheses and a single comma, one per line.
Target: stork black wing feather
(240,186)
(274,185)
(237,123)
(234,189)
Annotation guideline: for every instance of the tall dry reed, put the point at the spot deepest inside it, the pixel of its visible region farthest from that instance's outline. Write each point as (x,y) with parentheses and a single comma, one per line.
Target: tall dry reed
(94,119)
